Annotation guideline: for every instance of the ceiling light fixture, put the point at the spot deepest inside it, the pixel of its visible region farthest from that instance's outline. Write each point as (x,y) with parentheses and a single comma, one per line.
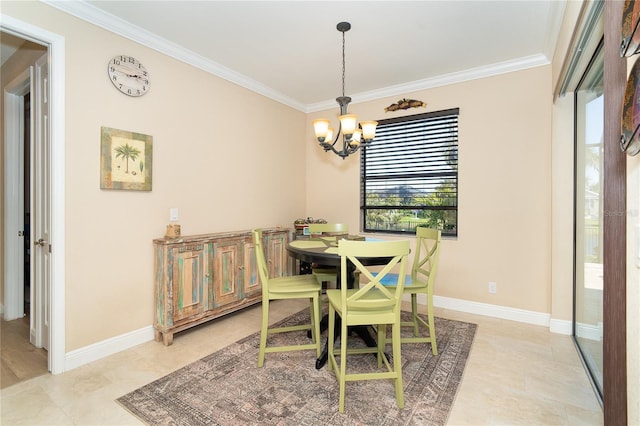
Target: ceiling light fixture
(353,136)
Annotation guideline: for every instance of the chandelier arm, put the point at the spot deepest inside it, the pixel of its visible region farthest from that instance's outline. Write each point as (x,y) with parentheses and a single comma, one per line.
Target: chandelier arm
(337,135)
(330,147)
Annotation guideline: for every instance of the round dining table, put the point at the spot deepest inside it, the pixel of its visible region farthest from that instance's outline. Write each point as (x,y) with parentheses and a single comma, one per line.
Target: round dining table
(324,251)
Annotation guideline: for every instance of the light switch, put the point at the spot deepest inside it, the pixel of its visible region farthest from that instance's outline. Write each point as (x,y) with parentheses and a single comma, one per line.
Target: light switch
(173,214)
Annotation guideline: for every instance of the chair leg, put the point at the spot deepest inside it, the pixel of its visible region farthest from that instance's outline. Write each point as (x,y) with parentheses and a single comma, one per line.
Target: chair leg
(343,363)
(397,364)
(382,342)
(331,335)
(263,332)
(312,317)
(432,326)
(315,325)
(414,314)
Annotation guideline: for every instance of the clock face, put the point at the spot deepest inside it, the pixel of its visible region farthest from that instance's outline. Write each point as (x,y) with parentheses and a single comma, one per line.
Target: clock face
(128,75)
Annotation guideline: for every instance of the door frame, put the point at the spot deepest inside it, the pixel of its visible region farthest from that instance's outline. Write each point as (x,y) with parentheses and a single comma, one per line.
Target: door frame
(615,224)
(56,51)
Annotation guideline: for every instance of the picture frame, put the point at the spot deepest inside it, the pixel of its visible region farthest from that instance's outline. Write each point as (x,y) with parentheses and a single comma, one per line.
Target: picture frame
(126,160)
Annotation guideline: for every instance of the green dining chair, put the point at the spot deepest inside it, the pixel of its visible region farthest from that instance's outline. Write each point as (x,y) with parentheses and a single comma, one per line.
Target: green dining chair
(288,287)
(371,304)
(330,231)
(421,281)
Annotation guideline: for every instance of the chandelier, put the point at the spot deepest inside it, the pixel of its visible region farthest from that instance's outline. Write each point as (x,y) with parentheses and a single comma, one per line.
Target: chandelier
(353,136)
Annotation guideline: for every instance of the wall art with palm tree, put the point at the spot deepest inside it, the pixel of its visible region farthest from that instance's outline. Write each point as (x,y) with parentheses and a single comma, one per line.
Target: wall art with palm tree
(125,160)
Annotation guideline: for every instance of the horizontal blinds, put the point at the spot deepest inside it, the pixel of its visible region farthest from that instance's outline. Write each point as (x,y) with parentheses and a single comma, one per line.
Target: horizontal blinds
(413,162)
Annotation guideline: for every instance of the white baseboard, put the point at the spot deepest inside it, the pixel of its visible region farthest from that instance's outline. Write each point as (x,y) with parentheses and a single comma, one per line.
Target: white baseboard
(589,331)
(561,327)
(107,347)
(496,311)
(116,344)
(502,312)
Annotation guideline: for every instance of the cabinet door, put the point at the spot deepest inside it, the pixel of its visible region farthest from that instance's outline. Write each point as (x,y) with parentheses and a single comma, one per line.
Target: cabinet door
(227,280)
(277,256)
(252,286)
(189,280)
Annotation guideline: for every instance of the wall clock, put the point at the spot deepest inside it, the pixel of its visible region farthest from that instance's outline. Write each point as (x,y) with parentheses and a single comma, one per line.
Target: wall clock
(128,75)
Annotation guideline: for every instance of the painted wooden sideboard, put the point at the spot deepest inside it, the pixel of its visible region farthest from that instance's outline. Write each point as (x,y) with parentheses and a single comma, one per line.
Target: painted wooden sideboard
(202,277)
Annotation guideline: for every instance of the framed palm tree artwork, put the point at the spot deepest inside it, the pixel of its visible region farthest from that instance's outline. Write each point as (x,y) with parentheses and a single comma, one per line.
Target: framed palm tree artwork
(125,160)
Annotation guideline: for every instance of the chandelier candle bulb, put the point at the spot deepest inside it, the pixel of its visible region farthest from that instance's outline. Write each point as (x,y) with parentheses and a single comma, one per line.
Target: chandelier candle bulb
(355,139)
(369,129)
(329,136)
(321,127)
(348,124)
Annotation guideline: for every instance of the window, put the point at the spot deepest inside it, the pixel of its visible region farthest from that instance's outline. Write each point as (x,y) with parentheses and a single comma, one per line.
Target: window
(409,174)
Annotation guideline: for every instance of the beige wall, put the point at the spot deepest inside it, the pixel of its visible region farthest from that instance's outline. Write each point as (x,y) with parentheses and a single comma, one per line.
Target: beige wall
(229,159)
(504,186)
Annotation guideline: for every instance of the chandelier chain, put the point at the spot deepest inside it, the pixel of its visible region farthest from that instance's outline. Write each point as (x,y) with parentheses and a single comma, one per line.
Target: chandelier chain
(343,66)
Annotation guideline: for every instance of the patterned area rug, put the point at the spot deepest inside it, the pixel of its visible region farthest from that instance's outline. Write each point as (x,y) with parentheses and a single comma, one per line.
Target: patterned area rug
(227,388)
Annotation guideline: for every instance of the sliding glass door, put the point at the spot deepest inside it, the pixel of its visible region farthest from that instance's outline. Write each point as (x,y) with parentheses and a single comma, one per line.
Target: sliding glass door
(588,281)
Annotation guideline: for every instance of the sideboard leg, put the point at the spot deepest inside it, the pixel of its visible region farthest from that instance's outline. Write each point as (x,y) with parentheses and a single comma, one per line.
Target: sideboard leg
(167,338)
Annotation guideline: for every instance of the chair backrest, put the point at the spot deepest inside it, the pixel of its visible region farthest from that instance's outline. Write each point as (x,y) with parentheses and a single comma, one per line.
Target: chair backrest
(261,262)
(328,228)
(373,296)
(425,261)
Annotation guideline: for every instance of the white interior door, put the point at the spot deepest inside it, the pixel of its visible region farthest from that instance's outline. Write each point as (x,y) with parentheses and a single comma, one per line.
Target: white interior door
(14,236)
(41,206)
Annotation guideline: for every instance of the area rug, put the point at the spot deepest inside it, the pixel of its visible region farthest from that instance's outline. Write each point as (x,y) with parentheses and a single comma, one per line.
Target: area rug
(227,388)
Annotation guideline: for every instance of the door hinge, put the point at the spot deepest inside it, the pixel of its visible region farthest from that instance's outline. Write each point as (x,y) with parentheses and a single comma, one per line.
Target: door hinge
(20,233)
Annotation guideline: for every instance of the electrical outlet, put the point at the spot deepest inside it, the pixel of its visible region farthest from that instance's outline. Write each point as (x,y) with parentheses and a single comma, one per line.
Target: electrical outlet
(173,214)
(493,288)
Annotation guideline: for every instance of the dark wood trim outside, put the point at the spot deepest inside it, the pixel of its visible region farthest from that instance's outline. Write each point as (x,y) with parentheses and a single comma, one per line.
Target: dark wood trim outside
(615,212)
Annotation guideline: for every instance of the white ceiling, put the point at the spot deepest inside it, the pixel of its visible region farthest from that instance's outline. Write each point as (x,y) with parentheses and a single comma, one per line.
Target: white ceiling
(291,50)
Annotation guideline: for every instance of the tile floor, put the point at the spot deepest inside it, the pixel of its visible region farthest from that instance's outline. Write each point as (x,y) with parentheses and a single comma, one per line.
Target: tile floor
(19,360)
(517,374)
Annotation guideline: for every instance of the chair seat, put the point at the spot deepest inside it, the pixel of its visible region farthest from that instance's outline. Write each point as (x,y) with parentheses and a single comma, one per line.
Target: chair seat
(294,284)
(324,270)
(363,316)
(391,280)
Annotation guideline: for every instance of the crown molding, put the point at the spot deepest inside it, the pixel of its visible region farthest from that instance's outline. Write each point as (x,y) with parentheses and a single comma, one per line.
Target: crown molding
(94,15)
(98,17)
(443,80)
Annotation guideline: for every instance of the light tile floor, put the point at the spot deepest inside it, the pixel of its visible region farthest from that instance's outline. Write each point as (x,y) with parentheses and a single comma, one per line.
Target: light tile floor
(516,374)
